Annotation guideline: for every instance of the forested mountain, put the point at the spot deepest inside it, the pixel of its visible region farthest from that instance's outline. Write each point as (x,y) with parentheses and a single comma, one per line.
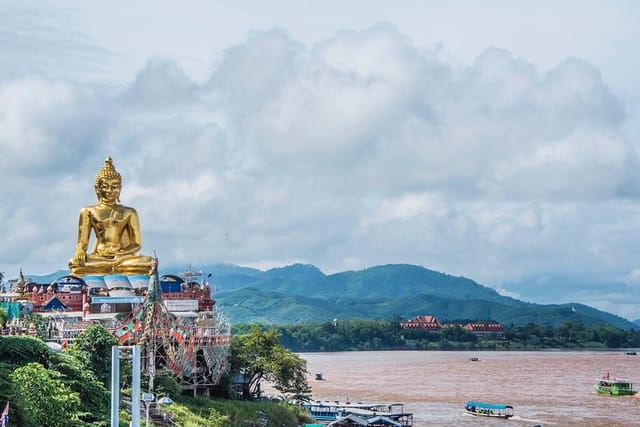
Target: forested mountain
(302,292)
(394,281)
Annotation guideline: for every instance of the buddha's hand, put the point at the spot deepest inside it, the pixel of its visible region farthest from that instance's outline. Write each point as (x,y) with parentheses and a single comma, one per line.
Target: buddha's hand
(80,256)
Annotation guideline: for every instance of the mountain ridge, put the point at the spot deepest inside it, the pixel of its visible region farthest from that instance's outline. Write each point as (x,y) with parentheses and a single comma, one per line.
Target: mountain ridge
(302,292)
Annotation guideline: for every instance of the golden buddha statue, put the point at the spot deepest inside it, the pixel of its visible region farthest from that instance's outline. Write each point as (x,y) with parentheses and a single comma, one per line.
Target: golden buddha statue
(116,228)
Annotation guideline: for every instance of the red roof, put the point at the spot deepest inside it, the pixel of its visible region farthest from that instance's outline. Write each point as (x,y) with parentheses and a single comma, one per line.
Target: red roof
(422,322)
(484,327)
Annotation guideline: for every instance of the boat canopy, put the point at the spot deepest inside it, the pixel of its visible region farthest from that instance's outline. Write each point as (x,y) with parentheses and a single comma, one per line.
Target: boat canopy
(484,405)
(383,421)
(351,420)
(348,420)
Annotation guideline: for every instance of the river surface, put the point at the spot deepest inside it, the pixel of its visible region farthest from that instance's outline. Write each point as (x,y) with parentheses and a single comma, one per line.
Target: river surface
(549,388)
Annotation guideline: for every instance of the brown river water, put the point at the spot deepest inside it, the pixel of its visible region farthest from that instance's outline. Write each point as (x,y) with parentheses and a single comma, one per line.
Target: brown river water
(548,388)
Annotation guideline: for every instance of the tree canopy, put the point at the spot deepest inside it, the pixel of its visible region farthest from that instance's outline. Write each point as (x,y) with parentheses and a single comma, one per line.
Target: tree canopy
(93,348)
(43,398)
(258,356)
(50,388)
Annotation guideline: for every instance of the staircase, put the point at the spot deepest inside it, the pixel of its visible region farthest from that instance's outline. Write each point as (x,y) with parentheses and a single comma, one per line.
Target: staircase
(157,417)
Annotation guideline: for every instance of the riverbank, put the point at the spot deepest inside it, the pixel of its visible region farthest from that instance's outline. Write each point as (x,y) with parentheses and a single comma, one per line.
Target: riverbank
(368,335)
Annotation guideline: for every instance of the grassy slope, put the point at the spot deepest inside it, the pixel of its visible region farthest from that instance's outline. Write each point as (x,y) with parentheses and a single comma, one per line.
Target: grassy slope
(201,411)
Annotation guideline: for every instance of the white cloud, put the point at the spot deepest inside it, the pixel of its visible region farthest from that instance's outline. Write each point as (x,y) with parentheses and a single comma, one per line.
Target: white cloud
(40,120)
(406,207)
(633,278)
(340,101)
(365,146)
(160,85)
(581,165)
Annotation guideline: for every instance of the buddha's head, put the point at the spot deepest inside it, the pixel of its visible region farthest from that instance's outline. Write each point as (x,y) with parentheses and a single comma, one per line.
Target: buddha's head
(108,183)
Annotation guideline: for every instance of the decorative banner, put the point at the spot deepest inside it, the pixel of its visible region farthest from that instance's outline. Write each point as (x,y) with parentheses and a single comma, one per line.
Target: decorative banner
(153,324)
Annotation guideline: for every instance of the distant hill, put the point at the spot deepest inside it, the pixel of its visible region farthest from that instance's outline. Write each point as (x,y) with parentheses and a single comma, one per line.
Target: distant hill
(394,281)
(301,292)
(255,305)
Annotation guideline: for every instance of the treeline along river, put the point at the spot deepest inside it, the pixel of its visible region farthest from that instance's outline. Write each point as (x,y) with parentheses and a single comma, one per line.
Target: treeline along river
(549,388)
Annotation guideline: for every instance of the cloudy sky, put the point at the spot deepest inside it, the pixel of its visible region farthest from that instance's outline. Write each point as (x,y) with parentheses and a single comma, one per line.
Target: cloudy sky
(496,140)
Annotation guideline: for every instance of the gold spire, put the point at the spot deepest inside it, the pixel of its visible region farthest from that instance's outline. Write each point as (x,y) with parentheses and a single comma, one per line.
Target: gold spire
(21,285)
(108,171)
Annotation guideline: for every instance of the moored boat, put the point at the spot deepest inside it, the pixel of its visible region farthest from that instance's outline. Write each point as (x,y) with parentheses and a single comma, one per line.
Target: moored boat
(614,386)
(350,414)
(484,409)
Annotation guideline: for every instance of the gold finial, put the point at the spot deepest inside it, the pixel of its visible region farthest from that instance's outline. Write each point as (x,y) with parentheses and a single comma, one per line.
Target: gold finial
(21,285)
(108,171)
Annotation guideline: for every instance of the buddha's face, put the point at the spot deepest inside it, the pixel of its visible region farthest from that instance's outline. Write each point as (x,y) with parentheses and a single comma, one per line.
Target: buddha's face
(108,190)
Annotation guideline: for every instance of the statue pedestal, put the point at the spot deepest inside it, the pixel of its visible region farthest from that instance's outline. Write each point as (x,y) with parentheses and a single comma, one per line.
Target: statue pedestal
(117,284)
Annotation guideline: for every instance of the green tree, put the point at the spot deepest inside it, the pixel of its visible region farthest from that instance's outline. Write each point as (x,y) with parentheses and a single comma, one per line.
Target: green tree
(20,350)
(44,400)
(95,397)
(4,317)
(458,334)
(291,375)
(93,349)
(41,323)
(612,337)
(165,383)
(258,355)
(7,391)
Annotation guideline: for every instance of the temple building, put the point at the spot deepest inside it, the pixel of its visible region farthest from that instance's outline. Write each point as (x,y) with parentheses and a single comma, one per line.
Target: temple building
(482,330)
(485,330)
(428,323)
